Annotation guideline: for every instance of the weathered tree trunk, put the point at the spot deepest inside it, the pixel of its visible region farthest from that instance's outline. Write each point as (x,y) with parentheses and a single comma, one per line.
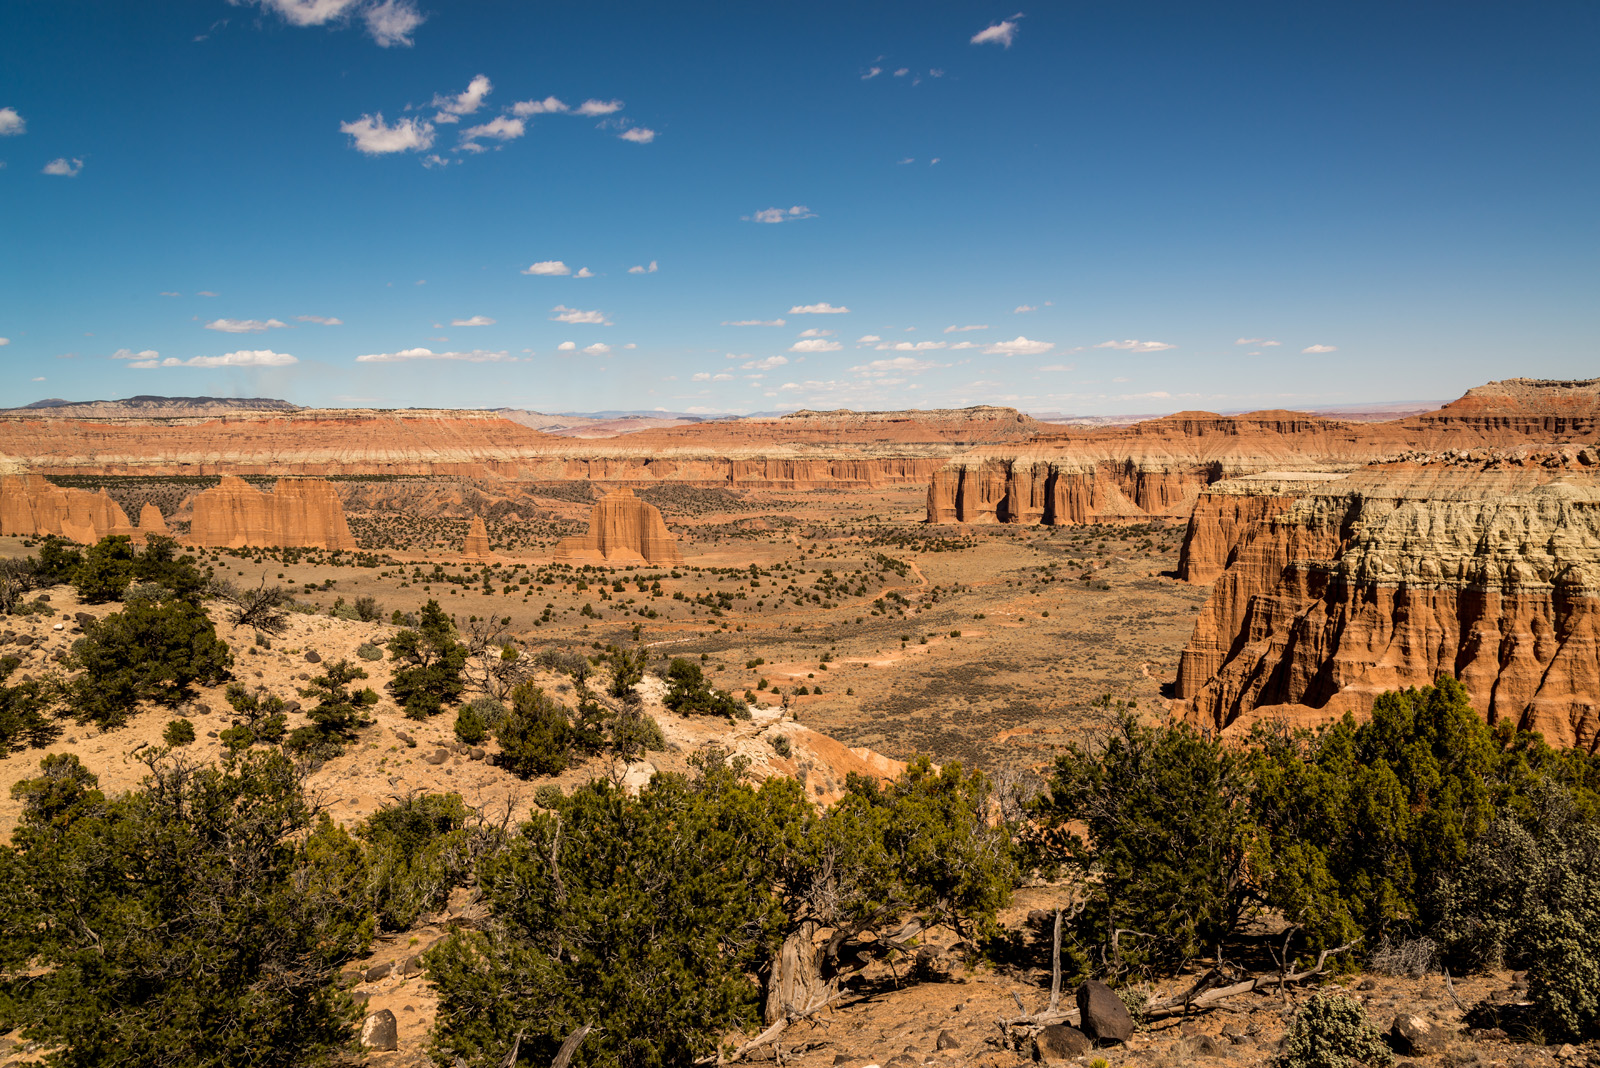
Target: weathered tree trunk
(794,983)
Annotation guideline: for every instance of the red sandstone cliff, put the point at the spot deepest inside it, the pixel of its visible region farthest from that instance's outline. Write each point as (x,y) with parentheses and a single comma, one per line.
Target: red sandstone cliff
(31,505)
(298,513)
(622,530)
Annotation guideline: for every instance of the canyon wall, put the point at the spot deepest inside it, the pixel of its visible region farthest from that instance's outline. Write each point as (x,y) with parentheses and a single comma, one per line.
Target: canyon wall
(1484,565)
(622,530)
(298,513)
(30,505)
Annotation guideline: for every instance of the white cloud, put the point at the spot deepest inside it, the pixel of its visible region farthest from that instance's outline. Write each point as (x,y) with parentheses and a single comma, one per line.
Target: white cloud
(631,345)
(770,363)
(1018,346)
(873,73)
(5,341)
(815,345)
(640,269)
(309,12)
(245,326)
(1058,367)
(639,135)
(935,73)
(902,72)
(584,272)
(817,309)
(565,314)
(1313,349)
(500,128)
(903,162)
(242,358)
(170,293)
(707,376)
(1131,345)
(11,123)
(325,320)
(205,293)
(64,167)
(1021,308)
(964,329)
(816,332)
(778,215)
(1263,342)
(392,21)
(597,349)
(548,106)
(1001,33)
(896,365)
(129,354)
(966,345)
(39,378)
(912,346)
(599,107)
(867,339)
(476,320)
(548,267)
(407,355)
(755,322)
(433,159)
(374,137)
(452,107)
(567,346)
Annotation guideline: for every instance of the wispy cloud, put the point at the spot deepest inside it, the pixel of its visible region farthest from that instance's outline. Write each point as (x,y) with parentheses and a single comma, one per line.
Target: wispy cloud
(871,74)
(963,329)
(597,349)
(374,137)
(11,123)
(815,331)
(1311,350)
(769,363)
(641,269)
(1130,345)
(584,272)
(1018,346)
(639,135)
(501,128)
(63,167)
(1001,33)
(1021,309)
(898,365)
(452,107)
(170,293)
(912,346)
(1263,342)
(817,309)
(392,22)
(815,344)
(408,355)
(755,322)
(476,320)
(242,358)
(5,341)
(309,12)
(565,314)
(779,215)
(707,376)
(205,293)
(324,320)
(245,326)
(129,354)
(548,267)
(867,339)
(548,106)
(598,107)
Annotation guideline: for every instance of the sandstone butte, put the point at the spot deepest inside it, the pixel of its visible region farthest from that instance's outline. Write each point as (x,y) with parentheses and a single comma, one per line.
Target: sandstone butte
(298,513)
(798,451)
(30,505)
(476,545)
(1158,468)
(622,530)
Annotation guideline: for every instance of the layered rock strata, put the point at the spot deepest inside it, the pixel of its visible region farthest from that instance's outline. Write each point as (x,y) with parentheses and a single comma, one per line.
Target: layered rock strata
(31,505)
(622,530)
(1334,591)
(476,545)
(298,513)
(151,521)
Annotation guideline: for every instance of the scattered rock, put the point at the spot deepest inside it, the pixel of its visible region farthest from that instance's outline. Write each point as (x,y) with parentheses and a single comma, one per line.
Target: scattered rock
(380,1031)
(475,753)
(1419,1037)
(438,756)
(1367,984)
(946,1041)
(1105,1018)
(1059,1043)
(313,657)
(412,965)
(1567,1052)
(377,971)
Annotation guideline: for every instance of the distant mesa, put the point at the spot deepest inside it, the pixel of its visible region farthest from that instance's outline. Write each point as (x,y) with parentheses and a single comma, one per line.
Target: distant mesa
(300,513)
(150,407)
(32,506)
(622,530)
(476,547)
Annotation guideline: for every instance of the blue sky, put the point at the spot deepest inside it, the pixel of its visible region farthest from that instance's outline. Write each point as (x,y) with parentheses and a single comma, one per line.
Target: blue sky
(1134,207)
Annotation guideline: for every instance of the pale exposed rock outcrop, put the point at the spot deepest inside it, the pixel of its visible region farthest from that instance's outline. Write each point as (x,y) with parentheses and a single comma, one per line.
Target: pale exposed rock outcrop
(622,530)
(31,505)
(298,513)
(151,521)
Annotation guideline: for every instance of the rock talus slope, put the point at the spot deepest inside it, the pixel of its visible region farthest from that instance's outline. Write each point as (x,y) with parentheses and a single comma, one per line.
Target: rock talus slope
(622,530)
(298,513)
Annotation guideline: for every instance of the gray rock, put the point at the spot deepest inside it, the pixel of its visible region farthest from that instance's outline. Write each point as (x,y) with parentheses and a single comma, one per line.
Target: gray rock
(475,753)
(1417,1036)
(313,657)
(1105,1018)
(376,972)
(438,756)
(1058,1044)
(412,965)
(946,1041)
(380,1031)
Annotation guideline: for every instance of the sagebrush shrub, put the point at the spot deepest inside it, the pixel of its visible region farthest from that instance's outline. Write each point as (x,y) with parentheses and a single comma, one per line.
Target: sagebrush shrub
(1331,1030)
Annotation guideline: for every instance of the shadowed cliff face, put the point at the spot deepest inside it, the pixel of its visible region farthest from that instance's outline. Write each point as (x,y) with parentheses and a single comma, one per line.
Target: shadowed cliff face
(1327,594)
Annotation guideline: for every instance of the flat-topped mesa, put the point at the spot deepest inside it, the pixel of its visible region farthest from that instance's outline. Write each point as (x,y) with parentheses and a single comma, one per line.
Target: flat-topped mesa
(622,530)
(301,513)
(31,505)
(1334,590)
(476,544)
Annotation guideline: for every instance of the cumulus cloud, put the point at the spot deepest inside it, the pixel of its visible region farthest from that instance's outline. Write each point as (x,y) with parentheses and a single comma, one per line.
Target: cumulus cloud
(64,167)
(912,346)
(567,346)
(324,320)
(963,329)
(754,322)
(768,364)
(597,349)
(5,341)
(548,106)
(639,135)
(129,354)
(707,376)
(599,107)
(374,137)
(392,22)
(895,366)
(242,358)
(1313,349)
(451,108)
(641,269)
(815,344)
(1018,346)
(867,339)
(1130,345)
(1001,33)
(778,215)
(817,309)
(584,272)
(500,129)
(1263,342)
(245,326)
(548,267)
(565,314)
(407,355)
(476,320)
(815,332)
(11,123)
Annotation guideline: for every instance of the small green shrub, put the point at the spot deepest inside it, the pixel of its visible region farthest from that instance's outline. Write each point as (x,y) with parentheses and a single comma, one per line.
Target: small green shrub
(369,651)
(470,728)
(178,732)
(1331,1030)
(781,746)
